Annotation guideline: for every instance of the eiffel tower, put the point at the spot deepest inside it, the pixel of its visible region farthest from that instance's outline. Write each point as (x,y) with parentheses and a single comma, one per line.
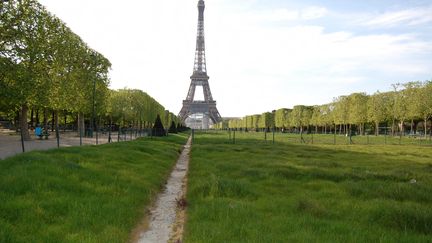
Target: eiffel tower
(200,78)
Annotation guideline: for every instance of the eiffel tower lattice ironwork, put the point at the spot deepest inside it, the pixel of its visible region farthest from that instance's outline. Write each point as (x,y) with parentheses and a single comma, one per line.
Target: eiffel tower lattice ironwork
(200,78)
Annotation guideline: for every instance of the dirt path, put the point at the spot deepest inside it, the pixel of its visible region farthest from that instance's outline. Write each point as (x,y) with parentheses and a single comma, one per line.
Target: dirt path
(163,225)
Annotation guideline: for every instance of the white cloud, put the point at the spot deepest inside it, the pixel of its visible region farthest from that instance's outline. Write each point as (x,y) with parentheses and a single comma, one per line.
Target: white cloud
(413,16)
(282,14)
(313,12)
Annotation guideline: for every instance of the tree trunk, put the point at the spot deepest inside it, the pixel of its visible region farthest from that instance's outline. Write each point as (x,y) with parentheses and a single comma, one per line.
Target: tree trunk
(77,123)
(56,122)
(81,125)
(412,126)
(401,127)
(425,127)
(430,130)
(17,121)
(31,118)
(65,121)
(53,121)
(376,128)
(23,122)
(37,116)
(45,120)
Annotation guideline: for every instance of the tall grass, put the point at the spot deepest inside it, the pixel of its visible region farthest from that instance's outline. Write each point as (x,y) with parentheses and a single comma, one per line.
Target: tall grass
(83,194)
(254,191)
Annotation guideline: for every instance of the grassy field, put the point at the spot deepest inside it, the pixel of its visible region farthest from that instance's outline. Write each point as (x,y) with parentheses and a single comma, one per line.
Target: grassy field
(254,191)
(83,194)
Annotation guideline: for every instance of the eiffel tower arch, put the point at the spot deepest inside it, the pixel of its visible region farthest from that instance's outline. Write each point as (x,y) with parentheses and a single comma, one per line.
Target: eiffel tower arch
(207,108)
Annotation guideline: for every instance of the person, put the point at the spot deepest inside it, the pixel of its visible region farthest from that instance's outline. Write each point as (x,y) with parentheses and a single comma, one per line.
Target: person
(38,131)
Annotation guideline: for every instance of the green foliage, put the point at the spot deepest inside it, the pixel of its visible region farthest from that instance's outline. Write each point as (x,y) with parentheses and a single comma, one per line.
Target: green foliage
(378,108)
(282,117)
(301,116)
(266,120)
(48,64)
(411,101)
(44,65)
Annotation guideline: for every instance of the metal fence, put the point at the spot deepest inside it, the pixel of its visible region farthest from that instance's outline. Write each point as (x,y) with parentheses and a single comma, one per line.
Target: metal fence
(238,136)
(11,141)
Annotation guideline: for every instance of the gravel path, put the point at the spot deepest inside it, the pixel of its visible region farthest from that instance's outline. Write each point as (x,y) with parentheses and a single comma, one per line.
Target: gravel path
(163,214)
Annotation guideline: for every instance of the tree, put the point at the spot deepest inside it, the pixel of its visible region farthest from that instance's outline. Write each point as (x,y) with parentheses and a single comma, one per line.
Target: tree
(400,107)
(316,118)
(340,112)
(413,101)
(358,110)
(301,116)
(282,118)
(425,110)
(266,120)
(378,110)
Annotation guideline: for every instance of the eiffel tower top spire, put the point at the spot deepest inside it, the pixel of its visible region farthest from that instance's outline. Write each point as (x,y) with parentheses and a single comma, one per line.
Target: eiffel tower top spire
(200,60)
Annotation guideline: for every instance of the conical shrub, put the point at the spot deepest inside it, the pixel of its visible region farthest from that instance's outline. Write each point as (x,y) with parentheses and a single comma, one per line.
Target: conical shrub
(158,128)
(173,128)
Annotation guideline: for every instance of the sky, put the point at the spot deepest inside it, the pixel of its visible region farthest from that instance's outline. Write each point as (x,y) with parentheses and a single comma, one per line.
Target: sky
(261,54)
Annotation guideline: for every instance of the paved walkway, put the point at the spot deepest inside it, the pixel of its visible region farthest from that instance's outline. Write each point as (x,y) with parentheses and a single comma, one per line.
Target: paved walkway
(10,142)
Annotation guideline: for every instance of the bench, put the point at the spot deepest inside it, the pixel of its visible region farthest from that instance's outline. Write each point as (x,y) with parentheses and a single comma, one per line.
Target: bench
(42,134)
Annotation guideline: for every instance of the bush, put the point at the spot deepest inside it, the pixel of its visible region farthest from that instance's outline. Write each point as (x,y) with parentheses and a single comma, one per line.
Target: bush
(158,128)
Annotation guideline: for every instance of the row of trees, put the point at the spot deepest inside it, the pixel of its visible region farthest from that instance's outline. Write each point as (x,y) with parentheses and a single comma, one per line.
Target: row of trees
(46,68)
(407,105)
(135,108)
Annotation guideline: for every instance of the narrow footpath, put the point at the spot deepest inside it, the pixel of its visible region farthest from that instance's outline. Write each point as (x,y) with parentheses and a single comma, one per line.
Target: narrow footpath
(167,215)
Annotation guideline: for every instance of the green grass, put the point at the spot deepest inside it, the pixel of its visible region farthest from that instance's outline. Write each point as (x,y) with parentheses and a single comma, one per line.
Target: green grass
(254,191)
(83,194)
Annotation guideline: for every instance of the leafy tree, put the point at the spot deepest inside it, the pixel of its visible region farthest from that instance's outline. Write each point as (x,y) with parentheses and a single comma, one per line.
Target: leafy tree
(358,110)
(340,112)
(301,116)
(282,118)
(378,109)
(266,120)
(400,107)
(425,106)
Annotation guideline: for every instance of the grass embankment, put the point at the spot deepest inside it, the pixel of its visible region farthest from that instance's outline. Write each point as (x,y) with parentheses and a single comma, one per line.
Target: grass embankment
(83,194)
(258,192)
